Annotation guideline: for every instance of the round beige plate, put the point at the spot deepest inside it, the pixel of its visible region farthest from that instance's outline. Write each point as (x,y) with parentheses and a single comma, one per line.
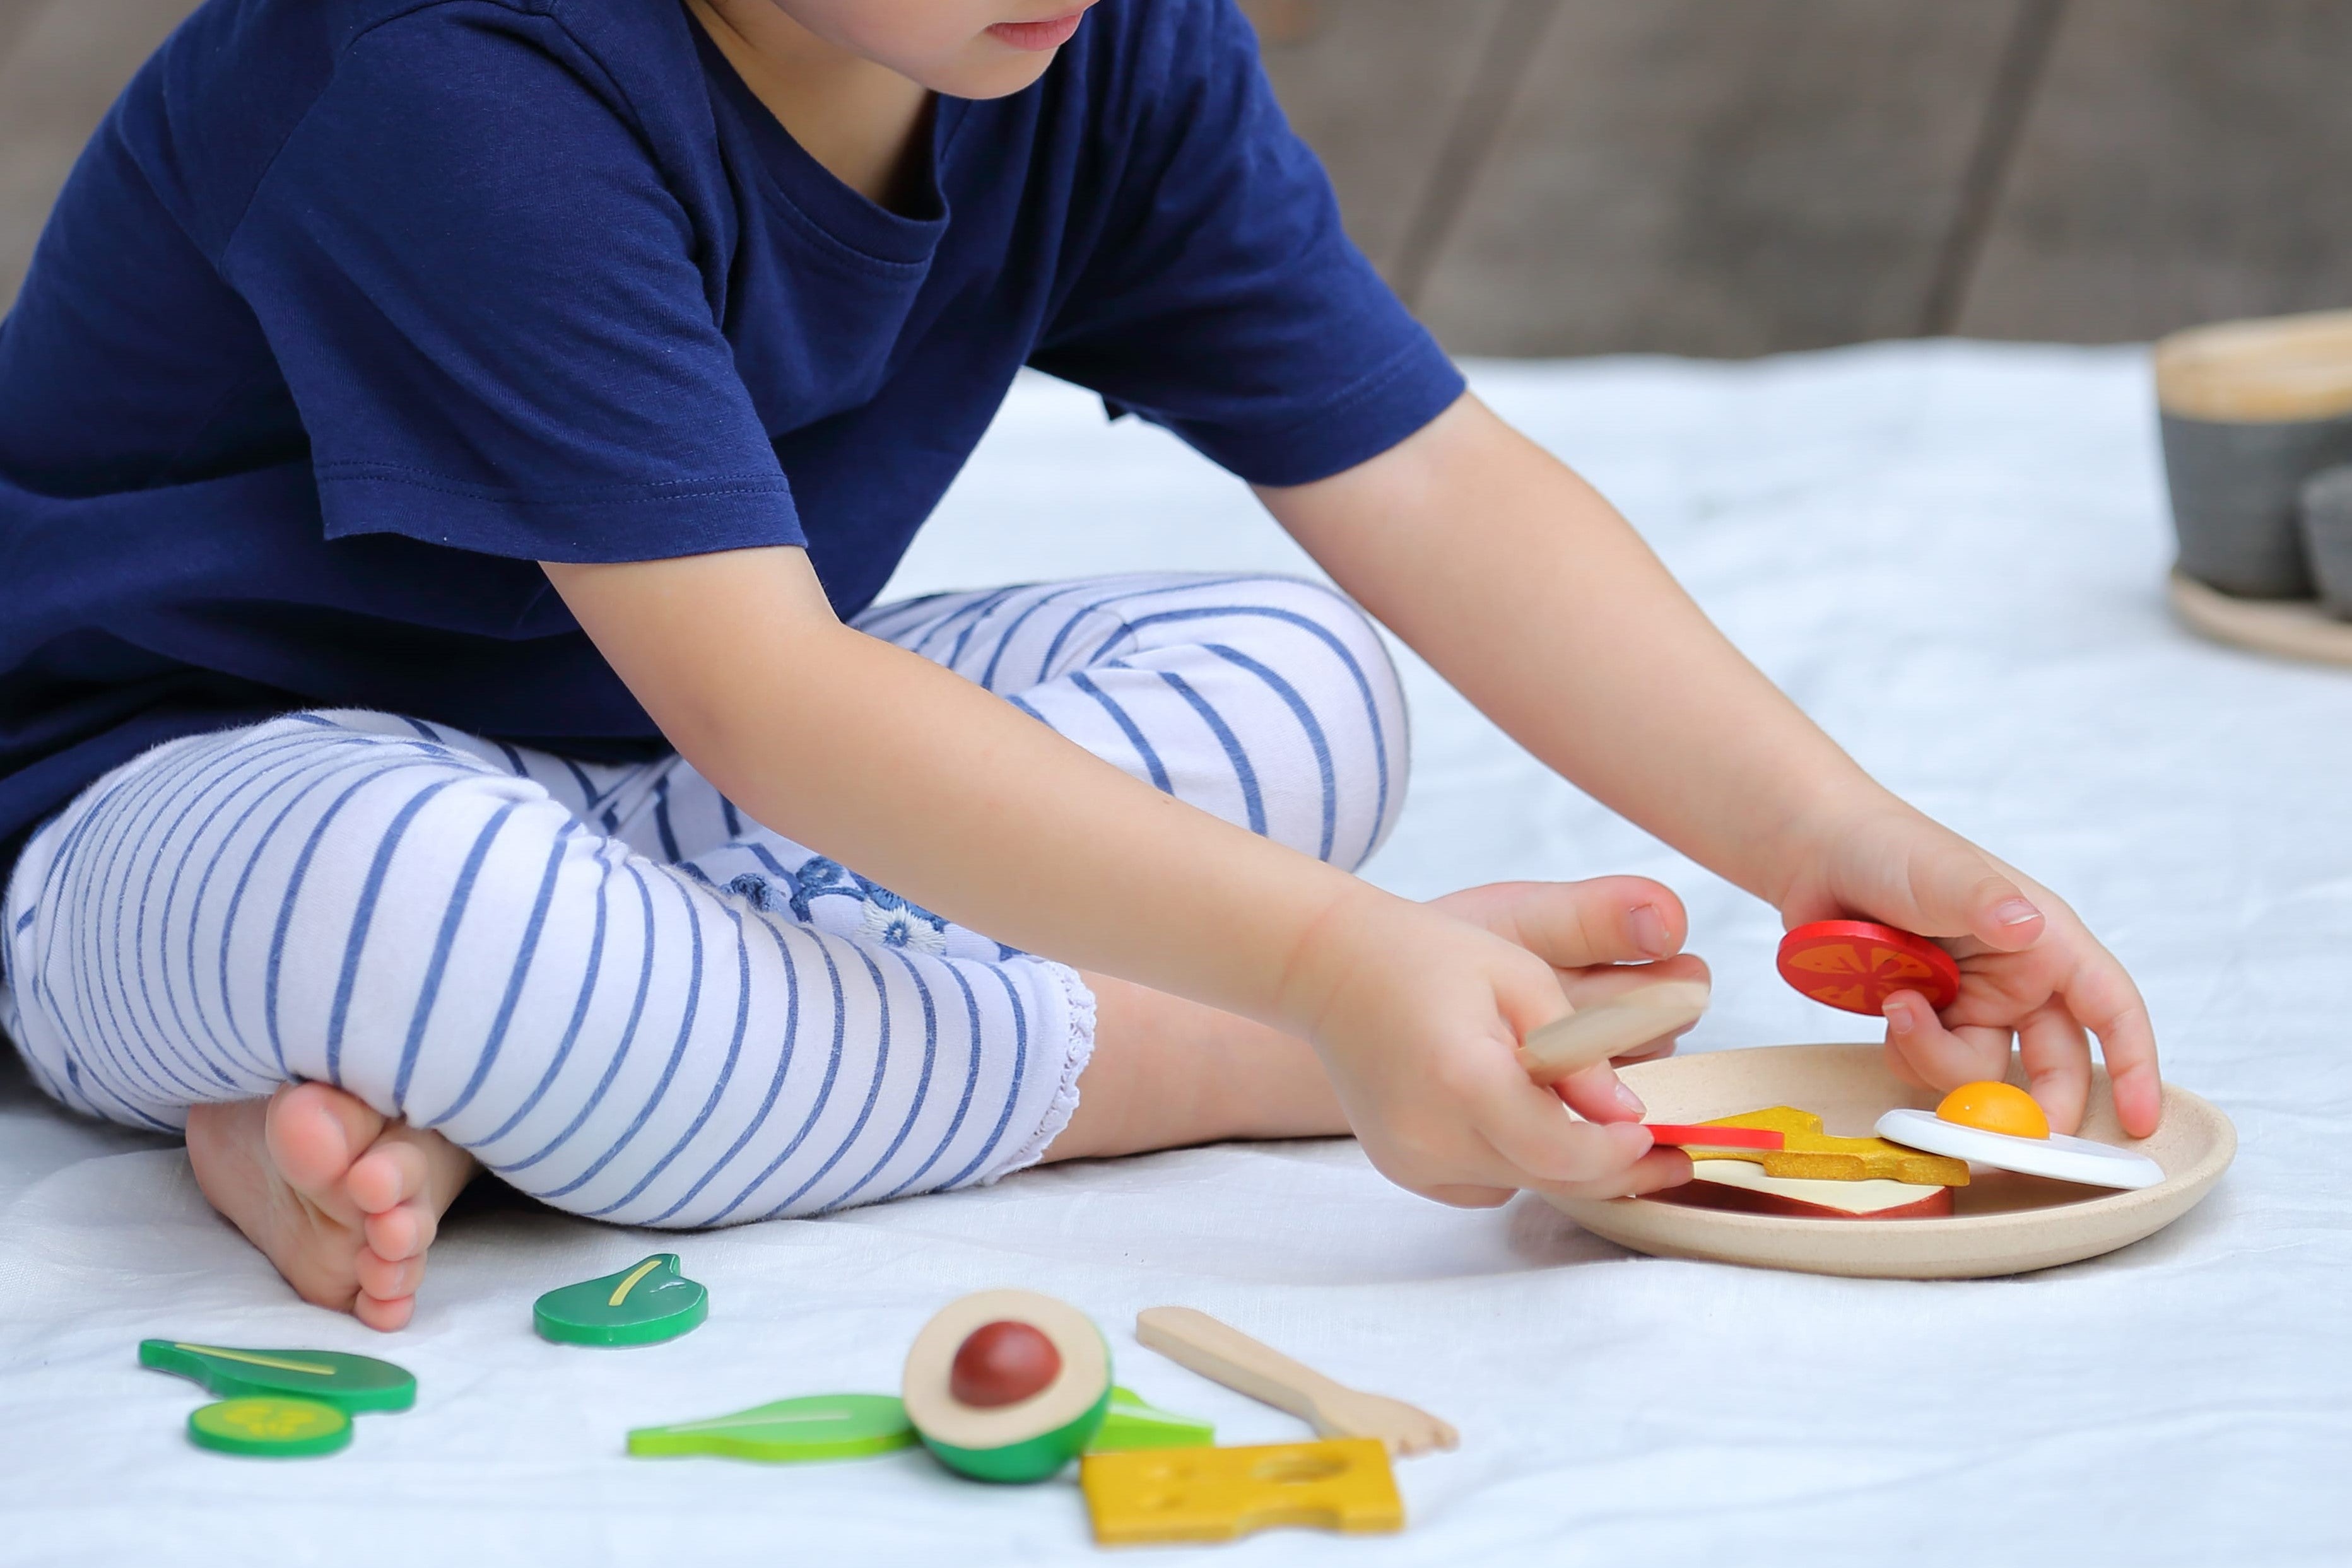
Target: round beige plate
(2002,1224)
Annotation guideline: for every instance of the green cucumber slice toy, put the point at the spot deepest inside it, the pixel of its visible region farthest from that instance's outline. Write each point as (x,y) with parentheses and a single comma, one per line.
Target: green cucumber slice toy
(643,1304)
(350,1383)
(267,1426)
(790,1431)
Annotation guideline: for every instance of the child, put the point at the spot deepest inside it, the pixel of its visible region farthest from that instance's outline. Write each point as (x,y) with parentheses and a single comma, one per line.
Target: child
(449,451)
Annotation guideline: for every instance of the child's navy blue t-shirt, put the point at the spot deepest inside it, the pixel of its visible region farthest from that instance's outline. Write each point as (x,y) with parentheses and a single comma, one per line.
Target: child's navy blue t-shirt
(354,310)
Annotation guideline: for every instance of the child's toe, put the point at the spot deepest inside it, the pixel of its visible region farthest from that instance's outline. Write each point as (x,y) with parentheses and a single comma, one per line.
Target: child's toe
(315,1133)
(386,1280)
(404,1230)
(386,1177)
(384,1316)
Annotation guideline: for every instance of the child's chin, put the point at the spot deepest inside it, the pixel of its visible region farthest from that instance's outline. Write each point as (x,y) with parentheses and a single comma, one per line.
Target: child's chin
(989,70)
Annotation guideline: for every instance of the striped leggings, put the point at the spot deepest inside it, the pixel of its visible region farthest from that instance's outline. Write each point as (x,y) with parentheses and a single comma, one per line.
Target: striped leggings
(624,997)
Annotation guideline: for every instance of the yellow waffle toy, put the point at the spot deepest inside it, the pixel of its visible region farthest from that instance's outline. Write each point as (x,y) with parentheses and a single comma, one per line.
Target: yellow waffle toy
(1219,1494)
(1808,1153)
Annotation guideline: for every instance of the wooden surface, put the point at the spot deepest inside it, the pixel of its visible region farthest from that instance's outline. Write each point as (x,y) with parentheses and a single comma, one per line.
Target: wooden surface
(1700,177)
(2184,161)
(1714,177)
(1731,177)
(61,63)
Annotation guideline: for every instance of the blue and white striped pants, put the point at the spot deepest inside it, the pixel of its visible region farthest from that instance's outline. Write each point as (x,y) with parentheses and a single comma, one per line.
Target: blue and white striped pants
(624,997)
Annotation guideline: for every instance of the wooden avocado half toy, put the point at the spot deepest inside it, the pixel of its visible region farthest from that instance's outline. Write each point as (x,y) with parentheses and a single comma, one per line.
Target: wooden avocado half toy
(1007,1386)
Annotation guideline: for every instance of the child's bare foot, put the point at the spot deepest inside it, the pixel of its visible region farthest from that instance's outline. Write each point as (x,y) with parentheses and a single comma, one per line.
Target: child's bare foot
(341,1200)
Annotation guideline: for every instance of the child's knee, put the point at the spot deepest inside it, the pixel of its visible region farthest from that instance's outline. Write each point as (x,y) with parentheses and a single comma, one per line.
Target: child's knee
(442,911)
(236,910)
(1316,696)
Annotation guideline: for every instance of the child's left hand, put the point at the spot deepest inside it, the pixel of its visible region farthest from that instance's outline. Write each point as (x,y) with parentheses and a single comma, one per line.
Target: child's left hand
(2027,967)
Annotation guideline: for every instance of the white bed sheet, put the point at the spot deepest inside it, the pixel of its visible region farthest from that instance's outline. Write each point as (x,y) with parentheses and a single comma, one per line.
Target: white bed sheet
(1952,556)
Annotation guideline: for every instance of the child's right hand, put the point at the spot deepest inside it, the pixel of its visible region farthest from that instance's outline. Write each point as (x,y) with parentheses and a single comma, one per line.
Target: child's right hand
(1418,1012)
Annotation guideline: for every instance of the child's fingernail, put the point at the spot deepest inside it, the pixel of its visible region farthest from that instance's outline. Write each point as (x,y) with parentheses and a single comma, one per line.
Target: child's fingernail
(2016,911)
(1650,931)
(1899,1013)
(1631,1103)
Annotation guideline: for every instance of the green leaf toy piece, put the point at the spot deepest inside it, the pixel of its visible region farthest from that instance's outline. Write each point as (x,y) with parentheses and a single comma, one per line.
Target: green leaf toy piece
(1132,1424)
(790,1431)
(644,1304)
(270,1427)
(350,1383)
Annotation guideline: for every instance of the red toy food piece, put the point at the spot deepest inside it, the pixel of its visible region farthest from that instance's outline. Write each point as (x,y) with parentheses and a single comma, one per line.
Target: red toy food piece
(1676,1135)
(1001,1362)
(1858,964)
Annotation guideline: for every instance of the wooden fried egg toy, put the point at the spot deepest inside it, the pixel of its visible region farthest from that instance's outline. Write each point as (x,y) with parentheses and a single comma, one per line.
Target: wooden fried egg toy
(2000,1124)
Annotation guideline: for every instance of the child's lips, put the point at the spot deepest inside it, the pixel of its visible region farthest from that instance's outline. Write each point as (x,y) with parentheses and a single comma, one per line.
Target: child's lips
(1050,34)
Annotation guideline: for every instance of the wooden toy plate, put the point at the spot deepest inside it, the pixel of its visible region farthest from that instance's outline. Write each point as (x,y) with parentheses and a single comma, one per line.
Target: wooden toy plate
(2286,628)
(2002,1223)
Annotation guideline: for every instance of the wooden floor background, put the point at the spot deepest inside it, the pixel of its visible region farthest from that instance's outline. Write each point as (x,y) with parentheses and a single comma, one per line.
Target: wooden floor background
(1710,177)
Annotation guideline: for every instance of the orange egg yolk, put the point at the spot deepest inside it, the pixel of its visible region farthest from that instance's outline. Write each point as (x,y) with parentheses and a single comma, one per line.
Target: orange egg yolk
(1995,1108)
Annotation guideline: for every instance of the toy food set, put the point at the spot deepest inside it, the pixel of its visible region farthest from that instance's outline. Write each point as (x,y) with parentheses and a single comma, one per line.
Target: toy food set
(1009,1387)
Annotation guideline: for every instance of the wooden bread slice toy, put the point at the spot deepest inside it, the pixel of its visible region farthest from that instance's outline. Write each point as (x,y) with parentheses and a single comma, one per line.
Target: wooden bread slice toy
(1591,1035)
(1808,1153)
(1744,1188)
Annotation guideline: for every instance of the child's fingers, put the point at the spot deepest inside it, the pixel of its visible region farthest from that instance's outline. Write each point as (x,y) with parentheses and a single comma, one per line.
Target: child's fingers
(1943,1058)
(1455,1195)
(2104,999)
(1658,1169)
(1901,1065)
(1576,924)
(1541,1143)
(1951,888)
(1596,1095)
(2056,1054)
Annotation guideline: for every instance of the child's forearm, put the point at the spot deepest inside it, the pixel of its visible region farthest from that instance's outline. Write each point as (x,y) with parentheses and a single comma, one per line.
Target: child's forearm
(947,795)
(1524,588)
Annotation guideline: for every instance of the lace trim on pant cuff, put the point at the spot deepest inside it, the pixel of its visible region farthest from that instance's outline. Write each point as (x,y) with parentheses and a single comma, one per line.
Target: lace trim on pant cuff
(1081,1004)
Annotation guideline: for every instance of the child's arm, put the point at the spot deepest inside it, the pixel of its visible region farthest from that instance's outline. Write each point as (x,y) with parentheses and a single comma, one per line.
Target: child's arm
(956,800)
(1524,588)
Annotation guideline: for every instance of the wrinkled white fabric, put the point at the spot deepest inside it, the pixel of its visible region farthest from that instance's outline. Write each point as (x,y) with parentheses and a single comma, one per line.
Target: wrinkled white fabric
(1953,557)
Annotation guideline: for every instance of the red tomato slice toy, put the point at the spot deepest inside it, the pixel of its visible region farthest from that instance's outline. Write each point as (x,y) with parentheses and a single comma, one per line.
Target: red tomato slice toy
(1858,964)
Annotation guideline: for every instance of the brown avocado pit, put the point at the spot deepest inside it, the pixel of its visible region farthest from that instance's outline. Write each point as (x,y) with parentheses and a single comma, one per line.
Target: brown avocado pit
(1001,1363)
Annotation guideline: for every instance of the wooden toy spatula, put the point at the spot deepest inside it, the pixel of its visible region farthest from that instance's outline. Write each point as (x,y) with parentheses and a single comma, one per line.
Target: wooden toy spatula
(1220,1352)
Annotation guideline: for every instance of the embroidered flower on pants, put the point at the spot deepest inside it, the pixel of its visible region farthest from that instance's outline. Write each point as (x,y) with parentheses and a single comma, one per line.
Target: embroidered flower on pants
(905,926)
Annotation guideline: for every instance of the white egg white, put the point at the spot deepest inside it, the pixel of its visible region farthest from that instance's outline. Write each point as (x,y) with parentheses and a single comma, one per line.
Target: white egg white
(2058,1156)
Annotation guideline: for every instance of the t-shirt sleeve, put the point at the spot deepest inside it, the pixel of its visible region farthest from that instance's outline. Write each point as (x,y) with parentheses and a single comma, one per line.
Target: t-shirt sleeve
(489,305)
(1221,298)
